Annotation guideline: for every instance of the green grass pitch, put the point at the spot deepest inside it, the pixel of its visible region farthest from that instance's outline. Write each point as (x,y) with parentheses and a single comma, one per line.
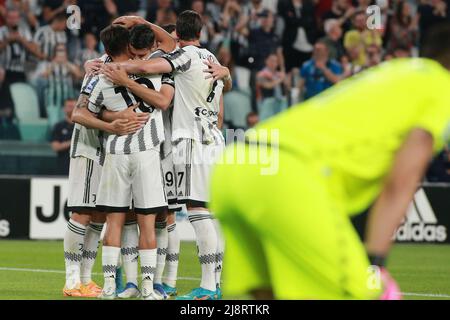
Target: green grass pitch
(35,270)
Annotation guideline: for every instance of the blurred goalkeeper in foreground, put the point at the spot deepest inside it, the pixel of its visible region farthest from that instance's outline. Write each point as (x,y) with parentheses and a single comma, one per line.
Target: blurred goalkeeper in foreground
(366,141)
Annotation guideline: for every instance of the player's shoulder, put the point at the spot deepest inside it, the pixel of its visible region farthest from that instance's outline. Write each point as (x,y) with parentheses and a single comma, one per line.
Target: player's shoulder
(158,53)
(421,71)
(412,65)
(104,82)
(199,52)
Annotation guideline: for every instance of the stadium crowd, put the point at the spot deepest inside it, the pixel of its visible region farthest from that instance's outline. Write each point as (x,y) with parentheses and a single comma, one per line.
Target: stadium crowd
(279,51)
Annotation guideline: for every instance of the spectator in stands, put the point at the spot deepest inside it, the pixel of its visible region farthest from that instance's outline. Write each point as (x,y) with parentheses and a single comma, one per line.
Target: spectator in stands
(333,39)
(263,41)
(51,8)
(215,10)
(270,82)
(61,75)
(300,31)
(61,138)
(401,52)
(15,45)
(363,4)
(249,16)
(46,39)
(96,15)
(8,129)
(49,36)
(165,16)
(342,11)
(252,119)
(28,19)
(89,51)
(374,56)
(233,36)
(357,41)
(432,12)
(403,29)
(319,73)
(208,33)
(128,7)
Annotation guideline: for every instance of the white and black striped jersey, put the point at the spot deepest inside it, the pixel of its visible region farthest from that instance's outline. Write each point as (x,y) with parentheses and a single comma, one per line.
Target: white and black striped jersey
(14,56)
(47,39)
(88,143)
(60,84)
(85,55)
(197,100)
(113,98)
(167,115)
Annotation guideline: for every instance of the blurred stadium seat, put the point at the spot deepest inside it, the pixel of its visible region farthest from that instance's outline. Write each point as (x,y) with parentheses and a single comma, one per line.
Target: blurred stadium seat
(243,79)
(31,126)
(237,106)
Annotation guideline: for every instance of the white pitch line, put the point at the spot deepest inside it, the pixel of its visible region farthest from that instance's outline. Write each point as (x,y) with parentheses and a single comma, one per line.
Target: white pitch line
(430,295)
(63,272)
(412,294)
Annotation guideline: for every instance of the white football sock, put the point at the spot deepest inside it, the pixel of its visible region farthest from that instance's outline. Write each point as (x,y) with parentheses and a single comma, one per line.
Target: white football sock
(162,239)
(172,257)
(110,259)
(73,252)
(219,252)
(207,246)
(130,253)
(148,264)
(90,248)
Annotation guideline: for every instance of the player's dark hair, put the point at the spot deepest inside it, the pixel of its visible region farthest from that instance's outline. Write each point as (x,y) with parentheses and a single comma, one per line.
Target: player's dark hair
(169,28)
(189,25)
(115,39)
(436,44)
(142,37)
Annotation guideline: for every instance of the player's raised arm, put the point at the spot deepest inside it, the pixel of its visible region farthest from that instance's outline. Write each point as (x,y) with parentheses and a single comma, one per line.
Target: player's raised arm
(165,40)
(407,171)
(153,66)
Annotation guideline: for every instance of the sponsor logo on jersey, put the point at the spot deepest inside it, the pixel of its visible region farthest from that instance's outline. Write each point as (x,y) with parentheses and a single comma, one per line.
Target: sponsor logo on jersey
(421,224)
(205,112)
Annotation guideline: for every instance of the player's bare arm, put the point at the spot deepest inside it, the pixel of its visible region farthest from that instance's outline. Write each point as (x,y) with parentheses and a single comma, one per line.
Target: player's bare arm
(159,99)
(129,114)
(164,39)
(83,116)
(407,171)
(221,113)
(217,72)
(153,66)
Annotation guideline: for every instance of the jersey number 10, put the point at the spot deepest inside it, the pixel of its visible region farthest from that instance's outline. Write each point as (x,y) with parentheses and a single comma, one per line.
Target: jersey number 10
(126,95)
